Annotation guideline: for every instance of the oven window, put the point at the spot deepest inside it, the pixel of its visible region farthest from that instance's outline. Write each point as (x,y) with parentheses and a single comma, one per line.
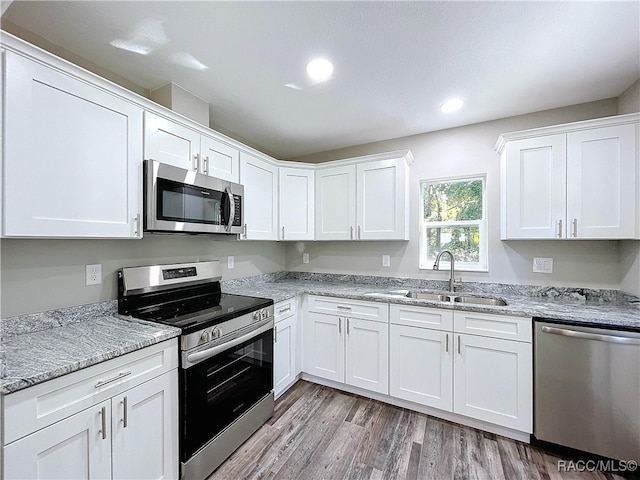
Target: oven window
(183,203)
(219,390)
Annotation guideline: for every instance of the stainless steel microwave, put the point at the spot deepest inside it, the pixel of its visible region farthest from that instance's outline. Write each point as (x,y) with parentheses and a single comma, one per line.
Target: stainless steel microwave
(181,201)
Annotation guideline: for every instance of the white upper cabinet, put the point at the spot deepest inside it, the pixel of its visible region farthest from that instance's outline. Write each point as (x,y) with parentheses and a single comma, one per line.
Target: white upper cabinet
(382,209)
(169,142)
(366,200)
(260,180)
(73,156)
(580,181)
(336,203)
(296,203)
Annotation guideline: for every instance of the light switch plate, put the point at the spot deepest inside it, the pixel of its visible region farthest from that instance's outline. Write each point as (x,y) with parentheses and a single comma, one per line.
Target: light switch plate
(230,262)
(386,261)
(93,274)
(542,265)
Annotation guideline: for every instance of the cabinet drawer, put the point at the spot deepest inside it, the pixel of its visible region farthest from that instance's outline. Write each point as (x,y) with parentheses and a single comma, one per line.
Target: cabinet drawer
(285,309)
(496,326)
(36,407)
(375,311)
(435,318)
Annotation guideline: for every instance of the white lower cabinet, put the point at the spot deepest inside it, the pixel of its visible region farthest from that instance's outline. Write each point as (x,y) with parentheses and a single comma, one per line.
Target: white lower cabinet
(285,332)
(342,347)
(493,381)
(487,376)
(128,431)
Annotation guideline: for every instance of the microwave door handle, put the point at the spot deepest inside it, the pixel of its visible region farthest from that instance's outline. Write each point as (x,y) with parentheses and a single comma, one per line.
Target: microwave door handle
(232,208)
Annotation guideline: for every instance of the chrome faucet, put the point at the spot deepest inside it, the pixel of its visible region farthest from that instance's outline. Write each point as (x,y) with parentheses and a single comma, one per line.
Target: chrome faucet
(436,266)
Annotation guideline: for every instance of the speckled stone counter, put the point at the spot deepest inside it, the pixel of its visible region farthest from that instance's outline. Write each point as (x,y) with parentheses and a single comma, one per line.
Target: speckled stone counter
(40,347)
(603,308)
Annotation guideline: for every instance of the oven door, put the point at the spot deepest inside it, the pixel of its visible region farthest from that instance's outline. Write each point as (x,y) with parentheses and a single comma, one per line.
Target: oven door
(219,389)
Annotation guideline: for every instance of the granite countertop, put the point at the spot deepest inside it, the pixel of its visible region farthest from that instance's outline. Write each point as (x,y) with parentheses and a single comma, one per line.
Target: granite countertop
(36,348)
(603,309)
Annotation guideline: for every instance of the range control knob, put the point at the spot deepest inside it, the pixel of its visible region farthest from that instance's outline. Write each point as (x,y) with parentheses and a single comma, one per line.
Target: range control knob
(206,336)
(216,333)
(256,315)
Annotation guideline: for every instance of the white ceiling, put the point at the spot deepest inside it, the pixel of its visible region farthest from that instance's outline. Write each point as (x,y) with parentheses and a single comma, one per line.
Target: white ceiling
(395,62)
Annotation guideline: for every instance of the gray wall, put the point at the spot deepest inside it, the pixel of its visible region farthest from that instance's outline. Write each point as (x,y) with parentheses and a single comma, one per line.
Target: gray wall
(38,275)
(461,151)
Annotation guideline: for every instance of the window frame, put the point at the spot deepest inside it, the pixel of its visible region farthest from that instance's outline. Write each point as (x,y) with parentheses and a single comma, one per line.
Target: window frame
(483,263)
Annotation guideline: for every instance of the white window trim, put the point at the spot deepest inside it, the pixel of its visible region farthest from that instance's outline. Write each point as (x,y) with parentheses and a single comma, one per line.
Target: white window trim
(483,263)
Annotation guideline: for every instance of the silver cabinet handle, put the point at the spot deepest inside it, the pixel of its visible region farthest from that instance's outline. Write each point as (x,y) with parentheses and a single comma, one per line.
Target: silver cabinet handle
(347,326)
(124,414)
(206,165)
(116,378)
(275,334)
(359,232)
(560,228)
(245,231)
(136,230)
(574,227)
(103,415)
(459,345)
(446,345)
(282,233)
(196,162)
(343,307)
(340,325)
(351,234)
(592,336)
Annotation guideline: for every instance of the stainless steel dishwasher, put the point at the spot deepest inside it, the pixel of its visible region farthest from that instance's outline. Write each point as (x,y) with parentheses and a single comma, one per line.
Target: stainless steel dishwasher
(587,389)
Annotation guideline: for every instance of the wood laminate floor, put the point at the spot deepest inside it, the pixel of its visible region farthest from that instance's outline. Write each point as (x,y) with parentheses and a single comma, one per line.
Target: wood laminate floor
(322,433)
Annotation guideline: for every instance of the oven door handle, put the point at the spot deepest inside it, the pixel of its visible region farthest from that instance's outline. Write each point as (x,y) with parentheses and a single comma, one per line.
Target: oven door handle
(196,357)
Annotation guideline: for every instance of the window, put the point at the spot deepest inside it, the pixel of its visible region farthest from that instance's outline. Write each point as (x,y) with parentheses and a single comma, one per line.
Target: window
(454,218)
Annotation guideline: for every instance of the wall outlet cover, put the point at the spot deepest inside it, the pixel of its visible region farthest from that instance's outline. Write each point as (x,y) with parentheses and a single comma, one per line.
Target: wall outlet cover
(305,258)
(386,260)
(231,263)
(542,265)
(93,274)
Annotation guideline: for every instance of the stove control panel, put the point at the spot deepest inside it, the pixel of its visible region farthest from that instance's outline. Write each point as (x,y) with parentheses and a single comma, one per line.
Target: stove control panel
(260,314)
(213,334)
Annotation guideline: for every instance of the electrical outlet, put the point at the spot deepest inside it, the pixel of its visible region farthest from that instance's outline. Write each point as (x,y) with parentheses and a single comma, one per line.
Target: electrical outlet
(542,265)
(386,261)
(305,258)
(93,274)
(230,262)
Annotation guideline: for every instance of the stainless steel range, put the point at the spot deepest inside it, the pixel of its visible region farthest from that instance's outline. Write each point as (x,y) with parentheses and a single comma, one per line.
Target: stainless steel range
(226,355)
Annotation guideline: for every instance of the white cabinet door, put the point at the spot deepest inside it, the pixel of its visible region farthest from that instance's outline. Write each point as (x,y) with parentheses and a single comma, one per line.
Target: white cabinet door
(382,210)
(260,180)
(74,448)
(367,354)
(145,430)
(493,381)
(335,203)
(297,204)
(219,159)
(324,346)
(601,182)
(535,187)
(421,366)
(172,143)
(72,159)
(284,355)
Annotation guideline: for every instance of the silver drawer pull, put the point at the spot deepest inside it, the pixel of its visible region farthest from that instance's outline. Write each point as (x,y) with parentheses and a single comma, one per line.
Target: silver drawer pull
(342,307)
(114,379)
(286,309)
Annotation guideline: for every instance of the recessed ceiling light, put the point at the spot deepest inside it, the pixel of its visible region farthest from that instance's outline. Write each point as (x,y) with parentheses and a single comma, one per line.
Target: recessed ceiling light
(320,69)
(451,105)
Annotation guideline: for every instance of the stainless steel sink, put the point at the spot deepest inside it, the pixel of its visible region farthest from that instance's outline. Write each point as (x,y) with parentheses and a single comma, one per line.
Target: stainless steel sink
(438,297)
(499,302)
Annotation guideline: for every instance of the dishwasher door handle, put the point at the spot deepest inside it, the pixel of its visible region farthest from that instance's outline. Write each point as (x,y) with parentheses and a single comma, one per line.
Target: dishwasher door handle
(592,336)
